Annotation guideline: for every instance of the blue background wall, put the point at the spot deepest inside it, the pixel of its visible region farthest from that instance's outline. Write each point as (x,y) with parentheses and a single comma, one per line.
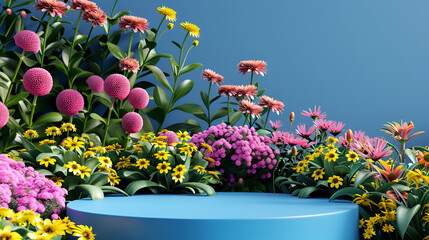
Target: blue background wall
(365,62)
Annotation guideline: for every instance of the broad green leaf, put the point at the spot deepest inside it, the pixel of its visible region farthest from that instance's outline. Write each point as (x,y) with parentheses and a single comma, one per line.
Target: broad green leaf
(15,99)
(182,90)
(98,178)
(404,215)
(235,117)
(190,67)
(160,76)
(263,132)
(49,117)
(161,98)
(205,98)
(361,176)
(347,191)
(120,14)
(112,189)
(411,154)
(116,51)
(95,192)
(201,186)
(135,186)
(220,113)
(23,3)
(305,192)
(97,117)
(190,108)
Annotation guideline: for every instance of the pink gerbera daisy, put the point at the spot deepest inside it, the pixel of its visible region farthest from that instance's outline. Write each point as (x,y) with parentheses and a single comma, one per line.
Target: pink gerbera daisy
(54,7)
(249,91)
(129,64)
(336,128)
(258,67)
(133,22)
(229,90)
(276,125)
(323,124)
(274,105)
(300,130)
(246,106)
(315,114)
(84,5)
(376,149)
(97,17)
(212,76)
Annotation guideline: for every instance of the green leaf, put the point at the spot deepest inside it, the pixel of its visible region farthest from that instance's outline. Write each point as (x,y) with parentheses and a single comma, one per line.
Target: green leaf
(23,3)
(120,14)
(182,90)
(190,108)
(205,98)
(135,186)
(54,45)
(305,192)
(347,191)
(263,132)
(361,176)
(97,117)
(48,118)
(404,215)
(161,98)
(220,113)
(177,45)
(201,186)
(112,189)
(15,99)
(341,170)
(19,24)
(235,117)
(174,67)
(411,154)
(160,76)
(116,51)
(190,67)
(95,192)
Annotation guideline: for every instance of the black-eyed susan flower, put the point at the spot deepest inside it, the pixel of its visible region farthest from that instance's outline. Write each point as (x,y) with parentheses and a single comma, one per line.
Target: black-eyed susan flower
(308,158)
(84,172)
(123,164)
(162,155)
(83,232)
(352,156)
(46,161)
(318,174)
(214,174)
(57,180)
(331,147)
(6,233)
(200,169)
(178,177)
(53,131)
(389,215)
(89,154)
(47,141)
(183,136)
(105,161)
(74,143)
(6,212)
(51,228)
(335,181)
(207,147)
(331,140)
(68,127)
(113,178)
(193,29)
(300,167)
(186,150)
(163,167)
(180,168)
(160,144)
(98,149)
(331,156)
(142,163)
(73,167)
(169,13)
(31,134)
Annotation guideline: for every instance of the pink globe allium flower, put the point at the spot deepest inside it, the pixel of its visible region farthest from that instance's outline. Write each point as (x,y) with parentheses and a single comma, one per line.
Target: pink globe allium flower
(84,5)
(212,76)
(246,106)
(37,81)
(171,137)
(97,17)
(129,64)
(70,102)
(132,122)
(258,67)
(28,41)
(23,14)
(117,86)
(4,115)
(274,105)
(54,7)
(138,98)
(95,83)
(135,23)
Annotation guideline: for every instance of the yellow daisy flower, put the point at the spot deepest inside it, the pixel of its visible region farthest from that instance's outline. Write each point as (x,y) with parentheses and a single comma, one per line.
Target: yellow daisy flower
(186,150)
(84,232)
(352,156)
(169,13)
(113,179)
(331,156)
(180,168)
(6,212)
(53,131)
(51,228)
(183,136)
(68,127)
(193,29)
(46,161)
(318,174)
(57,180)
(163,167)
(84,172)
(6,233)
(47,141)
(300,167)
(207,147)
(331,147)
(74,143)
(31,134)
(98,149)
(331,140)
(160,144)
(105,161)
(142,163)
(73,167)
(162,155)
(200,169)
(368,233)
(178,176)
(335,181)
(89,154)
(388,228)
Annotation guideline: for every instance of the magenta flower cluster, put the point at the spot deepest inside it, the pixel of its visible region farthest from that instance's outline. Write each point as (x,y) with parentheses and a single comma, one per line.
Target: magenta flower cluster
(238,148)
(22,188)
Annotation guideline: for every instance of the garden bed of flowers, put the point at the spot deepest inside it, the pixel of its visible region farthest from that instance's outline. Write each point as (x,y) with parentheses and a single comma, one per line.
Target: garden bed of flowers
(100,139)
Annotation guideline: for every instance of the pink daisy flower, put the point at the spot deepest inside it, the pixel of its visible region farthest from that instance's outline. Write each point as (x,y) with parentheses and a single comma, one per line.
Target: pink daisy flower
(258,67)
(135,23)
(336,128)
(212,76)
(229,90)
(307,145)
(376,149)
(132,122)
(249,91)
(323,124)
(54,7)
(246,106)
(315,114)
(129,64)
(276,125)
(300,130)
(274,105)
(84,5)
(292,140)
(97,17)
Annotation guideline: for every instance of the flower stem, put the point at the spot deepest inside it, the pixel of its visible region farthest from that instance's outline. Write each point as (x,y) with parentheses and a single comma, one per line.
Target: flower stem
(127,140)
(75,34)
(9,91)
(228,111)
(181,49)
(251,79)
(45,39)
(71,122)
(130,43)
(87,40)
(108,121)
(157,30)
(111,15)
(402,152)
(186,56)
(40,23)
(89,110)
(33,108)
(266,120)
(208,105)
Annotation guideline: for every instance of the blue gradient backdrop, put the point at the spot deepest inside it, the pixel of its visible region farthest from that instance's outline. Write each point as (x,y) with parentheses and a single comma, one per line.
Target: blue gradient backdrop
(365,62)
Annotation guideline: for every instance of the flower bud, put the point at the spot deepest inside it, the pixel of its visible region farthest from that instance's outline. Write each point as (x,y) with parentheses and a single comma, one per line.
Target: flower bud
(349,136)
(294,151)
(195,43)
(9,11)
(240,181)
(23,14)
(170,26)
(292,116)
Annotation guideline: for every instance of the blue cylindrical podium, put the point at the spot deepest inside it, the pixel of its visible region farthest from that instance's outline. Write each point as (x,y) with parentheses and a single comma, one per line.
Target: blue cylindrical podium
(234,216)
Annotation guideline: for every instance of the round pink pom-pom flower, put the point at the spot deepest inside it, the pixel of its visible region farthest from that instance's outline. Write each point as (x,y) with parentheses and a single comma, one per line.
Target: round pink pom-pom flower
(96,83)
(4,115)
(69,102)
(28,41)
(138,98)
(117,86)
(171,137)
(37,81)
(132,122)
